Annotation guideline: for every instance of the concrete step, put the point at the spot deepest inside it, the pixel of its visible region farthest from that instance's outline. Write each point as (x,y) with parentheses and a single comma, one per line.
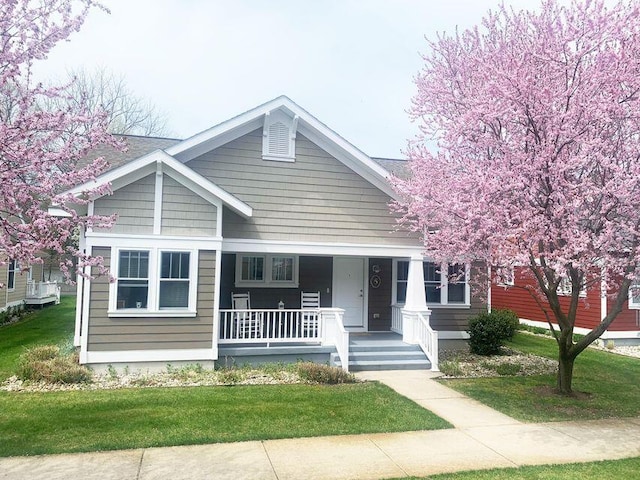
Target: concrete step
(378,356)
(391,347)
(368,365)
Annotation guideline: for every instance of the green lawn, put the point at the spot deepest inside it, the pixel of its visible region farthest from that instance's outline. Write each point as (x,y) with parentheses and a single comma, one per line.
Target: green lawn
(79,421)
(52,325)
(609,470)
(610,380)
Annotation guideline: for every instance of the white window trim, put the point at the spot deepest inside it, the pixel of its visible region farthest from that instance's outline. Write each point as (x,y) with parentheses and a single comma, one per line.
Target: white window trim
(509,279)
(444,283)
(267,282)
(564,289)
(152,309)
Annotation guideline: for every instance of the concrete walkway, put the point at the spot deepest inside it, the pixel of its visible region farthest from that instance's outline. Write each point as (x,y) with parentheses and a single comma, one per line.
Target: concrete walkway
(482,438)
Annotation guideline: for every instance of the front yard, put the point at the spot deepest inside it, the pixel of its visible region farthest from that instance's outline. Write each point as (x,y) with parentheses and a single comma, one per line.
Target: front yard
(606,386)
(89,420)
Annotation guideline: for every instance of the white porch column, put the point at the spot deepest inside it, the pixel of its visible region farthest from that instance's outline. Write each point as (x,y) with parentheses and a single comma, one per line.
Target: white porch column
(416,300)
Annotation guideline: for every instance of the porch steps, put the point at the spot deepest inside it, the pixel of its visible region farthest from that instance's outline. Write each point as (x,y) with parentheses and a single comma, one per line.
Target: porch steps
(382,351)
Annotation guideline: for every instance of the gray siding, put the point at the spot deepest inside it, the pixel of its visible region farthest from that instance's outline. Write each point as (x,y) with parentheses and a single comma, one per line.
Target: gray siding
(185,212)
(113,334)
(316,198)
(134,205)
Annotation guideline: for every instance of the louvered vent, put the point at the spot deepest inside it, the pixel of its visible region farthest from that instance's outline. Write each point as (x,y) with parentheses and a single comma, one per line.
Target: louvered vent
(278,139)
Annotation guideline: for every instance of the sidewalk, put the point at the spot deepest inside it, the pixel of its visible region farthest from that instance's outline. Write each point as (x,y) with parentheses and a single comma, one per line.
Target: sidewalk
(482,438)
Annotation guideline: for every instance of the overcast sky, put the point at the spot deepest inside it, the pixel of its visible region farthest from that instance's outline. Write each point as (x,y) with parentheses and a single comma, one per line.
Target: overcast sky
(350,63)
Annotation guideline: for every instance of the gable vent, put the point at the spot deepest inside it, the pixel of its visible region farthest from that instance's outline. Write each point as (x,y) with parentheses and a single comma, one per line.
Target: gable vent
(278,139)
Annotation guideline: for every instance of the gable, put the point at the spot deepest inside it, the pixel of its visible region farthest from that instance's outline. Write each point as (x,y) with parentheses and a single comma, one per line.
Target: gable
(317,198)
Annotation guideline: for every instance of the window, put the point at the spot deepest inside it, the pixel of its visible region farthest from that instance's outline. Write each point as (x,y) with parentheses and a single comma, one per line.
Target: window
(252,269)
(266,270)
(438,287)
(152,281)
(133,279)
(506,277)
(565,288)
(174,280)
(11,274)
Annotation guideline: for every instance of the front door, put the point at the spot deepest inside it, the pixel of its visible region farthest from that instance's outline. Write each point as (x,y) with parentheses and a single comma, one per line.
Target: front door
(348,290)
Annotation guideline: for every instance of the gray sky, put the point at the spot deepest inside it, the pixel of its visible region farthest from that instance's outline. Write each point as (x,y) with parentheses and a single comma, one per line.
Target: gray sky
(350,63)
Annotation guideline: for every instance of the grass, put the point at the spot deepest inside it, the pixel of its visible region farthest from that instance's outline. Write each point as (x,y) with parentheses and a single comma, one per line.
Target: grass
(82,421)
(607,470)
(606,383)
(52,325)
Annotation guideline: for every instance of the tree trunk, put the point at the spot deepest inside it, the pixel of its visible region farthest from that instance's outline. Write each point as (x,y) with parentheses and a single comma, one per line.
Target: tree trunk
(565,372)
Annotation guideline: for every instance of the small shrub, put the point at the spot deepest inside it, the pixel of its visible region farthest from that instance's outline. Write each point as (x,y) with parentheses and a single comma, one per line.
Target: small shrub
(509,369)
(540,331)
(229,376)
(317,373)
(451,368)
(610,345)
(488,331)
(44,363)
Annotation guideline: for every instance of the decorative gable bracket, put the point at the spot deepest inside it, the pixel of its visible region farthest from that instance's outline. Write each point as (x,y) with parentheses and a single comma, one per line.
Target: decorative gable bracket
(279,137)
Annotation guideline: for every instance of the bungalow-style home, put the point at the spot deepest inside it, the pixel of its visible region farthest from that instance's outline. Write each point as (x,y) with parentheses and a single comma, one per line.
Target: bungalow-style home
(265,235)
(25,287)
(512,293)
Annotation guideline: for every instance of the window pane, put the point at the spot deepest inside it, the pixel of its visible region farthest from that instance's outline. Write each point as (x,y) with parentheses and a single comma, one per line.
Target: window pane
(133,264)
(456,292)
(431,272)
(401,294)
(403,271)
(253,268)
(282,269)
(132,293)
(174,294)
(174,265)
(432,292)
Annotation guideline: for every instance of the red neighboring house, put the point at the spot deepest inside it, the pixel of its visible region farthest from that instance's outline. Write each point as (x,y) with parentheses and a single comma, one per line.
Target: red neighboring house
(625,329)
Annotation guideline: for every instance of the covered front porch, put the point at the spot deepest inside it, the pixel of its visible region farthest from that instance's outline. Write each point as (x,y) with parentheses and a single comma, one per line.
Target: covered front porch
(356,296)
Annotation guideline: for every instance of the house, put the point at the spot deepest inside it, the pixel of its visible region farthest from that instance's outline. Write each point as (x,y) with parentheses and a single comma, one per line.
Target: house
(219,236)
(25,287)
(512,293)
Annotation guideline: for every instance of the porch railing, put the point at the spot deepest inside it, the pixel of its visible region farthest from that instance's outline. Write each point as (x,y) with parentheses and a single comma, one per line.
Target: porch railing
(427,338)
(41,290)
(416,330)
(396,318)
(336,334)
(270,326)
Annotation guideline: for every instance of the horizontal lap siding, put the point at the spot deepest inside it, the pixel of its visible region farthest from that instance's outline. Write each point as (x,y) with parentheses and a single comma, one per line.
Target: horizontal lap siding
(523,304)
(134,205)
(19,293)
(119,334)
(627,320)
(455,319)
(185,212)
(315,198)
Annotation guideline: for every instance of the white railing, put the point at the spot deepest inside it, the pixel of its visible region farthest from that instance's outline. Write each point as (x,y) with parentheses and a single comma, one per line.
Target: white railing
(335,333)
(427,338)
(396,318)
(43,290)
(270,326)
(416,330)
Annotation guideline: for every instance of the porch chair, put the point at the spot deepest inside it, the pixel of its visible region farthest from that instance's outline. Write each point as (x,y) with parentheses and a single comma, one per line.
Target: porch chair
(247,324)
(310,301)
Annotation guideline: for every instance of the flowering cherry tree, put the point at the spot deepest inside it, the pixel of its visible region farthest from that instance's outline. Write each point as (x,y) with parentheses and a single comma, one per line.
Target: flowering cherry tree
(38,148)
(536,118)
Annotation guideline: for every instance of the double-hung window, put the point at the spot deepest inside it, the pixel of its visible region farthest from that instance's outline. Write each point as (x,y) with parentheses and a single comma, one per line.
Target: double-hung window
(11,274)
(153,281)
(266,270)
(443,285)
